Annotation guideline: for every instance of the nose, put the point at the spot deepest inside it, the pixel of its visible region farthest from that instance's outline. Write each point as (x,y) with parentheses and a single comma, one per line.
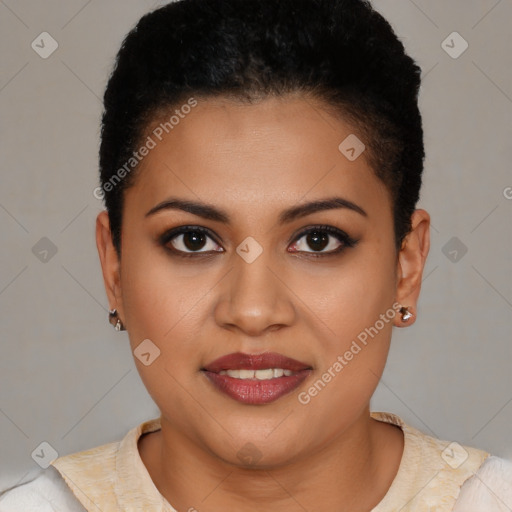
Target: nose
(254,297)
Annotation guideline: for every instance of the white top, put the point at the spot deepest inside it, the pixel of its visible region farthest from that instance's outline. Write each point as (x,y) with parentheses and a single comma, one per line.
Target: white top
(432,477)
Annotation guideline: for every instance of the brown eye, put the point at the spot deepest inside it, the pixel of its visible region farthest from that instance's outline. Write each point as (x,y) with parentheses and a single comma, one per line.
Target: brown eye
(192,240)
(189,240)
(319,238)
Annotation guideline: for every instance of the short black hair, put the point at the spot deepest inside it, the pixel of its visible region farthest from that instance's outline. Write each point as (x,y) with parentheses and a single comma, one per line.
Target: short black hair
(340,51)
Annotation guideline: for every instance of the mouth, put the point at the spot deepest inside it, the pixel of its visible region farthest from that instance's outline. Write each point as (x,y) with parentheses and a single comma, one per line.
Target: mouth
(256,379)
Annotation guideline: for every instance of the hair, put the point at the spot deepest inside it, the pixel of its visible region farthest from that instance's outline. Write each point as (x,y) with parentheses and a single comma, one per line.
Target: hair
(341,52)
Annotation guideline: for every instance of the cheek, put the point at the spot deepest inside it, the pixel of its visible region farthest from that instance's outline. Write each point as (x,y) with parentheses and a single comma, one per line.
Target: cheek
(161,305)
(164,302)
(355,315)
(353,298)
(353,353)
(150,290)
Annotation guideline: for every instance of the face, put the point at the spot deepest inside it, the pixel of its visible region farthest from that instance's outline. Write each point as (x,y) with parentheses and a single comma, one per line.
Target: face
(258,273)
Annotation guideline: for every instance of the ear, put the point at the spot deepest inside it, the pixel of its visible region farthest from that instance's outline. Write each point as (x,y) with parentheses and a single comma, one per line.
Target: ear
(110,264)
(411,262)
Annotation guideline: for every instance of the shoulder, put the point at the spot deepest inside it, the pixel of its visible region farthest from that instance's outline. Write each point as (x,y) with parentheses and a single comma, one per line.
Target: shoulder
(47,492)
(489,489)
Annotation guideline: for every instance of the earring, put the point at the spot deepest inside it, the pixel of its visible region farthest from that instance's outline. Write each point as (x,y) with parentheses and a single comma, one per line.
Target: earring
(114,319)
(406,314)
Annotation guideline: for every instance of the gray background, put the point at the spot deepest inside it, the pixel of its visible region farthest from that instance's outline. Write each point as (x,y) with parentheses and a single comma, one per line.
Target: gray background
(67,378)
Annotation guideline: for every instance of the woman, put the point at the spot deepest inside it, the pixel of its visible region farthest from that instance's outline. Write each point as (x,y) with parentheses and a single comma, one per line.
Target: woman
(261,162)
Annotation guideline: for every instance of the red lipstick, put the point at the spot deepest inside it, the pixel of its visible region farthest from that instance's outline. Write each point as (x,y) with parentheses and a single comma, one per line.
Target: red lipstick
(256,379)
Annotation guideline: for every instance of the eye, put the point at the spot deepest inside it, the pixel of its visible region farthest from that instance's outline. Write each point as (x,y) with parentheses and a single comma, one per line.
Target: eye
(323,237)
(188,240)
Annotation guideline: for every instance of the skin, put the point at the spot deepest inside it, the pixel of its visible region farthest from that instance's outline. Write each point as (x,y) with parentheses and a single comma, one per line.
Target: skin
(253,161)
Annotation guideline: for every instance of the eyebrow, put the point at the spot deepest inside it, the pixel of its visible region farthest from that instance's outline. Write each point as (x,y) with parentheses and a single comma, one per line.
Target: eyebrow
(295,212)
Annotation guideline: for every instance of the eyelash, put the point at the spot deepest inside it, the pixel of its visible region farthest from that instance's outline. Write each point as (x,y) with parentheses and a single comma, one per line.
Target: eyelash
(346,240)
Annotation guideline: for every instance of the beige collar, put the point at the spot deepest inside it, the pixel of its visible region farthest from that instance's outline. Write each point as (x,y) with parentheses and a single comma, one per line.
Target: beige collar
(112,477)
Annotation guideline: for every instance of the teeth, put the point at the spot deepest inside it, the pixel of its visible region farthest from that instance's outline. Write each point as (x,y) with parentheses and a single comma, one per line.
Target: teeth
(269,373)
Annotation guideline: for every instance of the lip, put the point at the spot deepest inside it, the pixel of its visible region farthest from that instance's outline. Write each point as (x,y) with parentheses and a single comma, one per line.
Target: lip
(241,361)
(255,391)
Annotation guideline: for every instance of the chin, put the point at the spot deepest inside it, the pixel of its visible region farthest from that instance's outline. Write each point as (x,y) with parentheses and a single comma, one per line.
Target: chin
(259,450)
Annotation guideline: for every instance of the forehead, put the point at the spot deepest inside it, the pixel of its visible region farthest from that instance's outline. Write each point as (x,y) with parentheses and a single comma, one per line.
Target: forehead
(277,151)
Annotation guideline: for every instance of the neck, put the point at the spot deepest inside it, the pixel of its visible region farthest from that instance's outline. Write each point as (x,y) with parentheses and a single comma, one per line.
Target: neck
(352,471)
